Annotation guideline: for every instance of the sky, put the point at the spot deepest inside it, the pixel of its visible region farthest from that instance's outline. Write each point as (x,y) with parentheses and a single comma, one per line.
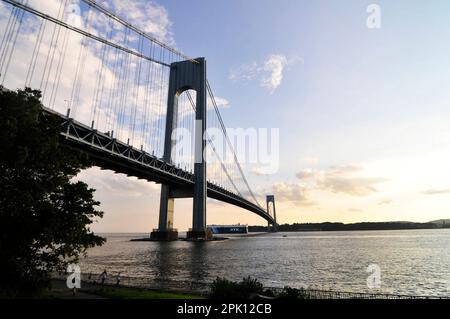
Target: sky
(362,112)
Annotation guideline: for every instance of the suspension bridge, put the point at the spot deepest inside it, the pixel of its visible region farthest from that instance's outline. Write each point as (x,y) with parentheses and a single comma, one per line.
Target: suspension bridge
(120,94)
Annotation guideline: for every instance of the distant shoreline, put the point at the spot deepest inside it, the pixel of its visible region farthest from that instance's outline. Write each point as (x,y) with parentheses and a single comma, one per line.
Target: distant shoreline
(328,226)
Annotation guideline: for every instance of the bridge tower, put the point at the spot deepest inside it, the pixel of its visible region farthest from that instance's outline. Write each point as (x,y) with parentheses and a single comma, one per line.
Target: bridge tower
(185,75)
(271,199)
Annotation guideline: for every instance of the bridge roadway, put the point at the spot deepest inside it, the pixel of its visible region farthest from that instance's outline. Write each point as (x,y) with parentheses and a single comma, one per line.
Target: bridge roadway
(109,153)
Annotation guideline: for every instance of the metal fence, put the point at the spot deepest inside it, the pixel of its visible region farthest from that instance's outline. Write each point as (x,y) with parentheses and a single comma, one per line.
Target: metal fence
(330,294)
(204,288)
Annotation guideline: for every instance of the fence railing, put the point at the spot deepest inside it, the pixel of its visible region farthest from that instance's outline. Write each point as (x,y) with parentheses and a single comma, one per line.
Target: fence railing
(331,294)
(203,288)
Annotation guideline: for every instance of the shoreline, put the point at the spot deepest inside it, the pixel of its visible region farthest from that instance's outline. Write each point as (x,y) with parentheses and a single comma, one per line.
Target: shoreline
(59,290)
(335,227)
(180,239)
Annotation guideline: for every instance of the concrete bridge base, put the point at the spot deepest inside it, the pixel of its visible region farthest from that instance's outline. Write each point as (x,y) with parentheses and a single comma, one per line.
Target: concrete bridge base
(199,235)
(164,235)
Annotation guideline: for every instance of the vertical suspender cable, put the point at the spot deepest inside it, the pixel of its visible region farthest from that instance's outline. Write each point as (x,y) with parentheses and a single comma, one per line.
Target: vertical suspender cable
(52,50)
(35,54)
(20,15)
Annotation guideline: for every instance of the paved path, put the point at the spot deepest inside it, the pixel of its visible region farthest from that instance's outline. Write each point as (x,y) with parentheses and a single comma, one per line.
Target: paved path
(60,290)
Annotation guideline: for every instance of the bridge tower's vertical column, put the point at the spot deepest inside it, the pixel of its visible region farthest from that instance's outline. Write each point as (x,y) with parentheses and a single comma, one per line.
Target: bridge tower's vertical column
(199,204)
(271,199)
(165,230)
(185,75)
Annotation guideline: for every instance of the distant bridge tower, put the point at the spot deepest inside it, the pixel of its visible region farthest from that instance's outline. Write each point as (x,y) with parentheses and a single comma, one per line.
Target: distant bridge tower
(185,75)
(271,199)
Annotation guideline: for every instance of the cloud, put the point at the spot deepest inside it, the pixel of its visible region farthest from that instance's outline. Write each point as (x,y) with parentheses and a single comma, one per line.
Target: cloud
(306,174)
(291,192)
(269,73)
(220,101)
(340,179)
(273,68)
(355,210)
(311,161)
(385,201)
(345,169)
(351,186)
(257,171)
(113,110)
(147,16)
(117,185)
(436,192)
(245,72)
(89,68)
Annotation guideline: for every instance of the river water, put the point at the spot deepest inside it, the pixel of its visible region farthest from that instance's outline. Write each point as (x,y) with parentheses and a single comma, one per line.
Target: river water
(411,262)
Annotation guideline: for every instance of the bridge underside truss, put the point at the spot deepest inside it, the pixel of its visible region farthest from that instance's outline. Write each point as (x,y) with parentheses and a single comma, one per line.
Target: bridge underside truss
(109,153)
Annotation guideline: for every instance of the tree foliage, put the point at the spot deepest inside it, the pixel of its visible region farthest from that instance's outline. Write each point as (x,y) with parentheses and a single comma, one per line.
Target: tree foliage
(44,216)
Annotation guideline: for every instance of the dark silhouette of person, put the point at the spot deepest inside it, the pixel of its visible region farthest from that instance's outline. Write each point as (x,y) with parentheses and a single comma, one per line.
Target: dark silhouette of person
(74,289)
(118,279)
(103,276)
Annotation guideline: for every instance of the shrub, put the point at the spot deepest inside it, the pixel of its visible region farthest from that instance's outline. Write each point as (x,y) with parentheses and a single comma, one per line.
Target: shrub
(223,288)
(293,294)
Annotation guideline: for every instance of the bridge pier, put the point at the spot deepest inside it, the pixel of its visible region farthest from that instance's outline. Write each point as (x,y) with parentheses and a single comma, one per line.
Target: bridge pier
(165,231)
(185,75)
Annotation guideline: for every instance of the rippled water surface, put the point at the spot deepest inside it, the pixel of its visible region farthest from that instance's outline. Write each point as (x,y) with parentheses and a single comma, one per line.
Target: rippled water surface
(414,262)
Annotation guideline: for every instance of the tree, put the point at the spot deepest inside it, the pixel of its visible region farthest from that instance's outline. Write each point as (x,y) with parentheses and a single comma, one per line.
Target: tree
(44,216)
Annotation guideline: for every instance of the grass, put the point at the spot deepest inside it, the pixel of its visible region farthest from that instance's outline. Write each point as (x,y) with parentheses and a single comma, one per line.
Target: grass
(125,293)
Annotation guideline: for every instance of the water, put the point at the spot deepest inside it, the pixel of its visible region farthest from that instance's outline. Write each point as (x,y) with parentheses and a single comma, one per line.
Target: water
(412,262)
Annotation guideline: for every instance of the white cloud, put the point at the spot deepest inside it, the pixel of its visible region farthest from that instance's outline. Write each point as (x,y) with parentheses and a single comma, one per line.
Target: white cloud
(245,72)
(347,179)
(385,201)
(273,68)
(312,185)
(220,101)
(306,174)
(436,192)
(258,171)
(292,192)
(148,16)
(355,186)
(117,185)
(269,73)
(355,210)
(140,98)
(311,161)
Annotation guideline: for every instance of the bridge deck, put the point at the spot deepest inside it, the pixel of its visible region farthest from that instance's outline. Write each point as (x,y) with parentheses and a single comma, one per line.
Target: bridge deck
(109,153)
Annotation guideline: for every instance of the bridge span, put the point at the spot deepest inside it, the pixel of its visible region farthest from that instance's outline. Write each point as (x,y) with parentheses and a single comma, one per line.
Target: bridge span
(120,84)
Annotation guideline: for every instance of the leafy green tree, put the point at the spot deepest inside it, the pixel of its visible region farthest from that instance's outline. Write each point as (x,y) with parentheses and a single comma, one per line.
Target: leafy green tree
(44,216)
